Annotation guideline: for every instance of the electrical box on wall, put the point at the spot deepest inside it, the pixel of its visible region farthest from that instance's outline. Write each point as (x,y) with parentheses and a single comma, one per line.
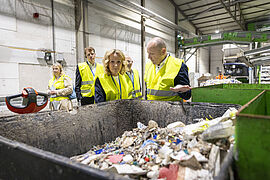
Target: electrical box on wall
(45,55)
(48,56)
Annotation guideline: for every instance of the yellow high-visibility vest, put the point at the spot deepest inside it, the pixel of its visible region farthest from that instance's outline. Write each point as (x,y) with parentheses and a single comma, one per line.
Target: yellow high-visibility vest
(134,88)
(87,87)
(114,89)
(58,84)
(158,84)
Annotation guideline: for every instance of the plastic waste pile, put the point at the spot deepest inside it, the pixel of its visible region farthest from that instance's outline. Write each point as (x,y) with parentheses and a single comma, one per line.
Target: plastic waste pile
(177,151)
(220,81)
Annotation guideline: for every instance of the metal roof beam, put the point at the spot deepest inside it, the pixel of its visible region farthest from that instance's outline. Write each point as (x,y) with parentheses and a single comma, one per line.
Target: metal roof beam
(214,43)
(213,8)
(256,12)
(224,27)
(194,19)
(241,18)
(196,7)
(216,24)
(184,15)
(226,13)
(204,22)
(259,20)
(212,31)
(188,2)
(258,5)
(230,13)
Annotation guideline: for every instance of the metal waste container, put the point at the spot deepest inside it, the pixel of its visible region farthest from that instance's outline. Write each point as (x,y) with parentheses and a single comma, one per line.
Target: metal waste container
(38,146)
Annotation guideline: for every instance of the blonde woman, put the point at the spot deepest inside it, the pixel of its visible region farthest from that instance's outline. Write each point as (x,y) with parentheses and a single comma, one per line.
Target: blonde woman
(60,86)
(112,84)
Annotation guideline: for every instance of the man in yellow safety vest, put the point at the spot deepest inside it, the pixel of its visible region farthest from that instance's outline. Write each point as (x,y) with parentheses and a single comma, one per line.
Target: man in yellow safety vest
(166,77)
(86,73)
(133,80)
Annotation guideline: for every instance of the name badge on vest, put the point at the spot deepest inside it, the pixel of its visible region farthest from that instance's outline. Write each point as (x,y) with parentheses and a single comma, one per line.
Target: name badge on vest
(133,94)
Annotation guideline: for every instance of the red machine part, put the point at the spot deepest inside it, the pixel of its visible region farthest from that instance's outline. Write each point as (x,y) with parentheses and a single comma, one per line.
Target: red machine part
(30,98)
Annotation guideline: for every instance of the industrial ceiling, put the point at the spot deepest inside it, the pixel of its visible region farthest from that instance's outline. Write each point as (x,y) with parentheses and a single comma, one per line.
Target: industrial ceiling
(213,16)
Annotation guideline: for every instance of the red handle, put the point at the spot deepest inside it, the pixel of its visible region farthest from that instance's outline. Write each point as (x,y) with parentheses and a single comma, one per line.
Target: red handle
(31,106)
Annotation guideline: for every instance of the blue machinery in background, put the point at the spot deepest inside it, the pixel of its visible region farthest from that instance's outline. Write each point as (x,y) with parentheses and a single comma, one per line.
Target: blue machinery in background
(237,70)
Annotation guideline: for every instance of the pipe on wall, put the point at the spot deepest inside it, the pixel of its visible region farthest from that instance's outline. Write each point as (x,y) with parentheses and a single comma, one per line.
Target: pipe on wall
(143,48)
(53,30)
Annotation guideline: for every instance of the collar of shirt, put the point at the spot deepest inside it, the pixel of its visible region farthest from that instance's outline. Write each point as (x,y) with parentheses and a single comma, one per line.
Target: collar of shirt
(158,67)
(91,66)
(116,78)
(130,73)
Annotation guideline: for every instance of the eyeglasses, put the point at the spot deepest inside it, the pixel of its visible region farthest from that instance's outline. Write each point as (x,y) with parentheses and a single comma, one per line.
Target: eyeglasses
(90,54)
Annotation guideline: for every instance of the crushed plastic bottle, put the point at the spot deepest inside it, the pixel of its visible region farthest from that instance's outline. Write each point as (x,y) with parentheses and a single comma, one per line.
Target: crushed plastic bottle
(220,130)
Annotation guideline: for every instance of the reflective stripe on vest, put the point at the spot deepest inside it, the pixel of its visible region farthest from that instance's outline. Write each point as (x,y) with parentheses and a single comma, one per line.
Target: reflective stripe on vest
(161,93)
(86,91)
(158,84)
(87,82)
(111,89)
(88,78)
(59,84)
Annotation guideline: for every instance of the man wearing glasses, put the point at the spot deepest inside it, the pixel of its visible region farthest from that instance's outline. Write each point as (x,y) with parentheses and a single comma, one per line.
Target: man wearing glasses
(85,76)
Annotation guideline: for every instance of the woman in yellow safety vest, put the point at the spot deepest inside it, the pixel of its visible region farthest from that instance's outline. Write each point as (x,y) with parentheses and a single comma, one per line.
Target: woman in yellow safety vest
(112,84)
(60,86)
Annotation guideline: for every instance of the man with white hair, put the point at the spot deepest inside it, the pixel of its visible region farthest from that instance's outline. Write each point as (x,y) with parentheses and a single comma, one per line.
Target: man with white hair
(166,77)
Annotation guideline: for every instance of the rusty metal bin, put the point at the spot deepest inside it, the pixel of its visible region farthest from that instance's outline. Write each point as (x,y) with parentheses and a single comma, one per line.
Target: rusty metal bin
(38,146)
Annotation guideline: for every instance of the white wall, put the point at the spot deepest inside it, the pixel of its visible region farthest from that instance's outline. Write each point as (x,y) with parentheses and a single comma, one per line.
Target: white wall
(21,36)
(191,60)
(216,59)
(198,64)
(203,60)
(166,10)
